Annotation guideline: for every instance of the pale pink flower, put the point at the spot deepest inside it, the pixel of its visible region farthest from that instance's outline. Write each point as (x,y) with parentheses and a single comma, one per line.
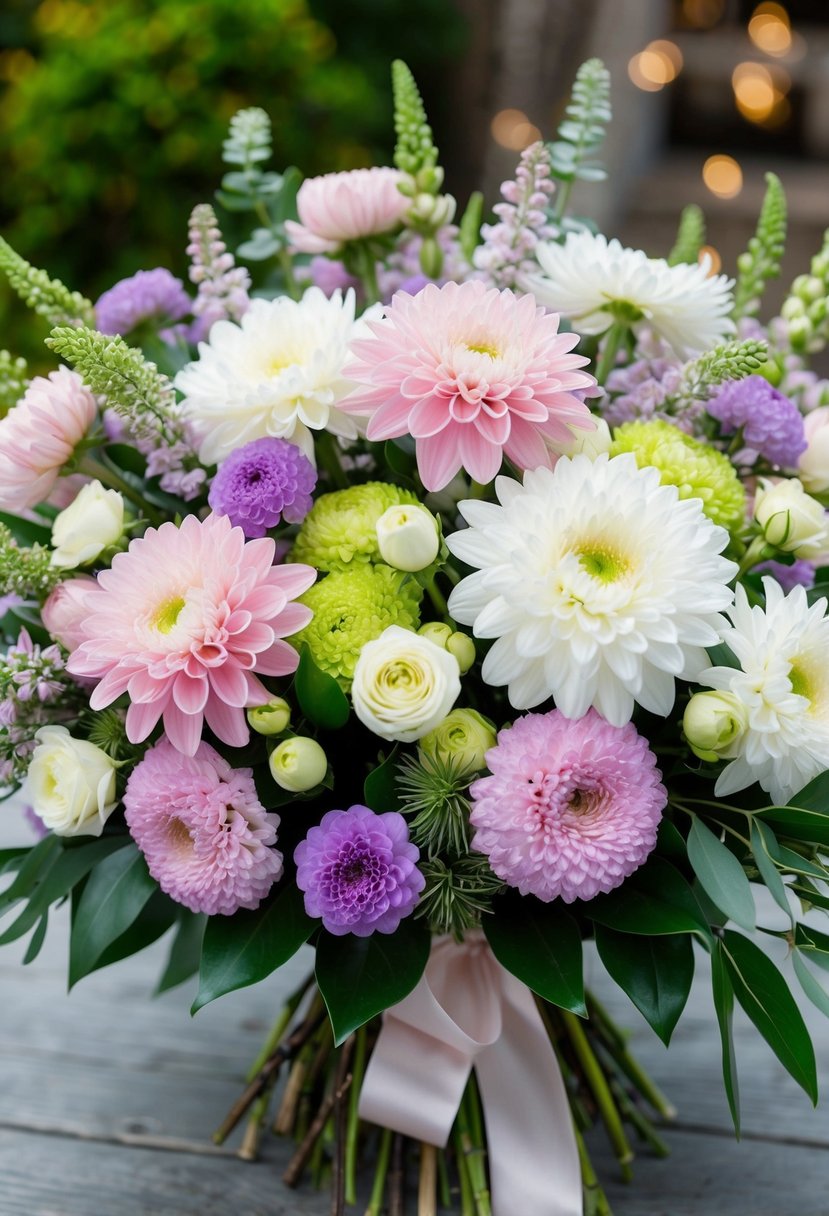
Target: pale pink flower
(183,620)
(473,374)
(66,609)
(338,207)
(39,435)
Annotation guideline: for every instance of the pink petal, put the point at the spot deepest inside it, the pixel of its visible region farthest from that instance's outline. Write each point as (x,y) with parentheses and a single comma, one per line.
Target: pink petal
(141,719)
(525,446)
(183,730)
(280,660)
(190,695)
(229,684)
(293,618)
(479,457)
(293,579)
(437,459)
(227,722)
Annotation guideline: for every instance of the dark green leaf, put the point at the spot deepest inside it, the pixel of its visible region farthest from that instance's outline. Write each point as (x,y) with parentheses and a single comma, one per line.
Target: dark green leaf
(114,895)
(244,948)
(722,656)
(361,976)
(185,951)
(380,787)
(806,891)
(320,697)
(32,870)
(653,901)
(12,859)
(764,995)
(798,823)
(724,1006)
(721,875)
(670,843)
(154,919)
(656,973)
(763,846)
(814,944)
(816,993)
(36,940)
(400,461)
(26,531)
(540,944)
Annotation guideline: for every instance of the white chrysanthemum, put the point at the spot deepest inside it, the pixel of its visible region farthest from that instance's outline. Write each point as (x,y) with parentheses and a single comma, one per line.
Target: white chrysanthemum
(278,372)
(599,583)
(588,277)
(783,682)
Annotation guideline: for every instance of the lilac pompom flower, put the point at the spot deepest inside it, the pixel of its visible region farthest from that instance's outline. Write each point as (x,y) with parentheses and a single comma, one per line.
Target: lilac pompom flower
(205,834)
(772,425)
(359,871)
(571,808)
(155,296)
(262,483)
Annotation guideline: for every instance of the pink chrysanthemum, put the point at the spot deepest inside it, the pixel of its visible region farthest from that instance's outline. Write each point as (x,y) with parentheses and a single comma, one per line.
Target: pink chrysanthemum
(339,207)
(38,436)
(182,621)
(572,806)
(205,834)
(473,374)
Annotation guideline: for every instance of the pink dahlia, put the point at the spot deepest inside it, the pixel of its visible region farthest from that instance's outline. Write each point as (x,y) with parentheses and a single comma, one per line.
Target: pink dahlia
(205,834)
(572,806)
(340,207)
(473,374)
(183,620)
(38,436)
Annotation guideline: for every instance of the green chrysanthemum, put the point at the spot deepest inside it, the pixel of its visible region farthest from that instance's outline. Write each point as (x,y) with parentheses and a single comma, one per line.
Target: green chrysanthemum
(353,606)
(341,527)
(698,471)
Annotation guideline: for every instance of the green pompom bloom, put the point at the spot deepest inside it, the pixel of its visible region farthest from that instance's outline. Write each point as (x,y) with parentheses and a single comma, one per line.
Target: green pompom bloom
(697,471)
(341,527)
(352,607)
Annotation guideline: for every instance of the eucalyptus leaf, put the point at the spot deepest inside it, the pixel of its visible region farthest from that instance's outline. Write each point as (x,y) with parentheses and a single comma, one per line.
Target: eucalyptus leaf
(721,875)
(764,846)
(815,991)
(723,993)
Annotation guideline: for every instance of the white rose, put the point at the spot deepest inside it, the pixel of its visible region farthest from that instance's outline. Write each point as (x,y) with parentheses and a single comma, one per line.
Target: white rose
(70,783)
(88,525)
(407,536)
(814,463)
(790,519)
(594,442)
(404,685)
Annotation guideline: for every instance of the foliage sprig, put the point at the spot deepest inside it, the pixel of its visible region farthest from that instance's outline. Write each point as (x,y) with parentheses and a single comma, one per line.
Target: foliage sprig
(47,297)
(582,132)
(761,261)
(690,236)
(13,380)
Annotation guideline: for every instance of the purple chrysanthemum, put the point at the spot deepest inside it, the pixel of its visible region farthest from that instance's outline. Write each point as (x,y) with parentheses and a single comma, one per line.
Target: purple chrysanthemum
(772,425)
(261,483)
(358,871)
(572,806)
(149,295)
(206,836)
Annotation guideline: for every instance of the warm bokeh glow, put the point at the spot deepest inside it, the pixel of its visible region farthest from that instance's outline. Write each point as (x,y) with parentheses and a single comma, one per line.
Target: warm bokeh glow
(656,66)
(702,14)
(760,92)
(715,259)
(723,176)
(512,129)
(770,29)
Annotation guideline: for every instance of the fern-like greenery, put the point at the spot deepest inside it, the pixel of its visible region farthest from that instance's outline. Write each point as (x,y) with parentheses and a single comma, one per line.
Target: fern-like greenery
(249,138)
(761,261)
(582,131)
(690,236)
(700,378)
(47,297)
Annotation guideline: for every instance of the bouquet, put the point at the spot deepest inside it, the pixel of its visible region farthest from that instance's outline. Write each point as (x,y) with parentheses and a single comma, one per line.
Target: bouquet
(451,599)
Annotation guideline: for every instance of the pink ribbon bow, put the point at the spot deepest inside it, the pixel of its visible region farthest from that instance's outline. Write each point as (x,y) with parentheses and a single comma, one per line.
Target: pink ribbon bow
(468,1011)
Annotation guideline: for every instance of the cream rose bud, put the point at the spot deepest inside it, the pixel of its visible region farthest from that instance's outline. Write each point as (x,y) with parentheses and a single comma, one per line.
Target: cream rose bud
(789,519)
(87,526)
(70,783)
(814,463)
(270,719)
(594,442)
(408,538)
(464,736)
(65,610)
(298,764)
(404,685)
(713,724)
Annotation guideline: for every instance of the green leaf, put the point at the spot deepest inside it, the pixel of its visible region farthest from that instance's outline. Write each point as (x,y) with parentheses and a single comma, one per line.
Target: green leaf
(26,531)
(320,697)
(763,846)
(540,944)
(813,944)
(670,843)
(723,993)
(154,919)
(764,995)
(655,900)
(244,948)
(470,224)
(655,973)
(32,870)
(380,788)
(36,940)
(816,993)
(114,895)
(798,823)
(185,951)
(721,876)
(361,976)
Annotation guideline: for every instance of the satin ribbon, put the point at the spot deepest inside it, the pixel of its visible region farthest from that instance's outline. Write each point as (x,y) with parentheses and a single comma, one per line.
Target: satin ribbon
(468,1011)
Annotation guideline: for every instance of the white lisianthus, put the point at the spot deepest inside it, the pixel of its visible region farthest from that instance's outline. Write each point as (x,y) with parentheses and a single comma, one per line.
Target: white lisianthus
(404,685)
(790,519)
(278,372)
(298,764)
(70,783)
(782,684)
(407,536)
(813,468)
(87,526)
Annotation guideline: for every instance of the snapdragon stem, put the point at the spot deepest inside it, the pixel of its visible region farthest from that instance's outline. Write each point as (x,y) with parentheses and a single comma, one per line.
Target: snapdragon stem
(607,358)
(595,1201)
(597,1082)
(353,1125)
(427,1181)
(378,1188)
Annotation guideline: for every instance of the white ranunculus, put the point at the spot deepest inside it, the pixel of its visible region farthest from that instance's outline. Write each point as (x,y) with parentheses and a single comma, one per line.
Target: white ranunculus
(407,536)
(790,519)
(404,685)
(70,783)
(87,526)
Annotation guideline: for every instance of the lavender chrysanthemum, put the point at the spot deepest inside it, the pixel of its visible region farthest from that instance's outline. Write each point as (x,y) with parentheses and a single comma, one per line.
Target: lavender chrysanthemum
(800,573)
(772,425)
(149,295)
(263,482)
(206,836)
(359,871)
(572,806)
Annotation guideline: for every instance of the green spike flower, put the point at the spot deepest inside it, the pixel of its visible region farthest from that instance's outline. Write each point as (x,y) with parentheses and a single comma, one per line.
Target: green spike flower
(761,261)
(341,527)
(415,149)
(25,570)
(13,380)
(47,297)
(352,607)
(690,236)
(697,470)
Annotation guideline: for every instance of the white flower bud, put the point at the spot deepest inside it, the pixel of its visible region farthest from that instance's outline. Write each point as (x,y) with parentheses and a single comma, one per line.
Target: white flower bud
(70,783)
(270,719)
(436,632)
(790,519)
(298,764)
(594,442)
(713,724)
(463,648)
(88,525)
(407,535)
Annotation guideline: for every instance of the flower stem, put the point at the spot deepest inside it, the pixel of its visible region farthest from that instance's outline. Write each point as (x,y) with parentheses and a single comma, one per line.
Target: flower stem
(601,1091)
(330,459)
(427,1182)
(367,271)
(438,598)
(612,342)
(595,1201)
(103,471)
(756,552)
(353,1126)
(378,1189)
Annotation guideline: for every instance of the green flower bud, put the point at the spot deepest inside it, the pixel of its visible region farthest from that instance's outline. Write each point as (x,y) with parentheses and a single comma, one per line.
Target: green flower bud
(464,736)
(713,724)
(463,648)
(407,536)
(270,719)
(436,632)
(793,307)
(801,332)
(771,371)
(298,764)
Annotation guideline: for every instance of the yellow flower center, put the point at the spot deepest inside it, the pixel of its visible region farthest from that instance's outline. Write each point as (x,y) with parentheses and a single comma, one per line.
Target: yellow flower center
(603,563)
(801,682)
(167,614)
(483,348)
